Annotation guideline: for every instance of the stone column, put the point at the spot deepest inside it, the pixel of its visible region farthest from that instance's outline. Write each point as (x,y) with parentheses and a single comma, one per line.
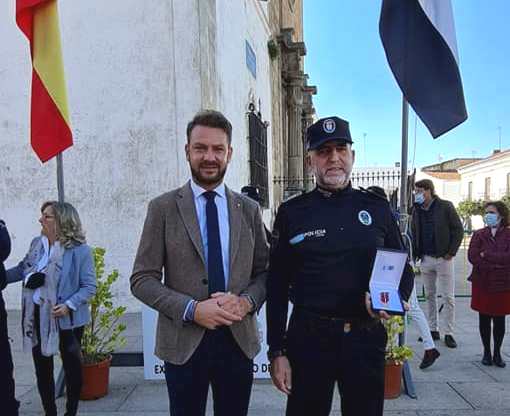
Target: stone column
(295,155)
(306,121)
(293,82)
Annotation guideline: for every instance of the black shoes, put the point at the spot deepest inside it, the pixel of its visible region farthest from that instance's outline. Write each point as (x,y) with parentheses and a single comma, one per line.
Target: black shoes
(487,359)
(434,334)
(450,341)
(429,357)
(498,361)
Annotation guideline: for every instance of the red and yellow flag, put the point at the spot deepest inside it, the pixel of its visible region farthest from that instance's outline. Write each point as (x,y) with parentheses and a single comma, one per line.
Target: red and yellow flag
(50,126)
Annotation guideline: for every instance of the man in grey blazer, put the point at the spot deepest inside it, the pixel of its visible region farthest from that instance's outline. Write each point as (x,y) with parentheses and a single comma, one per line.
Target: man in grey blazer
(201,263)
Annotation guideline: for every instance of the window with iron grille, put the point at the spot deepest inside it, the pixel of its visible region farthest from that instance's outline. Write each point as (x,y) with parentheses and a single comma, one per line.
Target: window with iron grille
(487,193)
(257,131)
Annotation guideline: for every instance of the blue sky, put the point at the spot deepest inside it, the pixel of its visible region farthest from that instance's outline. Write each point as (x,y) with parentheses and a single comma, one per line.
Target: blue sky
(345,60)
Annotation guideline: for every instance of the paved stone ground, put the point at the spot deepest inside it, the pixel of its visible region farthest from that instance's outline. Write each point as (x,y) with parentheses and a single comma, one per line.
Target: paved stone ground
(456,385)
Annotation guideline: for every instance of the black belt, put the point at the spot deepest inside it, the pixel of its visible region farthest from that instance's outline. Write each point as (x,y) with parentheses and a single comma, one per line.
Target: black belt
(354,321)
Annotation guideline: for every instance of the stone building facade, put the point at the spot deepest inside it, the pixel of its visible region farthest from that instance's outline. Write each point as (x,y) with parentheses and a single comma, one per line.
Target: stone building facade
(136,74)
(292,105)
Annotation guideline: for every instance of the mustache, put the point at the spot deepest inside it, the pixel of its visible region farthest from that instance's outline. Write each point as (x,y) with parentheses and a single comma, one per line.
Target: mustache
(336,168)
(209,165)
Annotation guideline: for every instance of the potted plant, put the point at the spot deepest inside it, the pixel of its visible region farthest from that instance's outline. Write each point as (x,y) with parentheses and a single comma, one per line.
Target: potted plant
(395,356)
(103,334)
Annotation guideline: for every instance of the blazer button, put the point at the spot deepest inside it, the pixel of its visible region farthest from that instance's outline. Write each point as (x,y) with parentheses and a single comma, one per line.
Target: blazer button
(205,281)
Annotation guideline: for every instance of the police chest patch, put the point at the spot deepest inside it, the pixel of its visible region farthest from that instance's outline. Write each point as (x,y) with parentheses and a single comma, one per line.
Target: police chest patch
(309,234)
(364,217)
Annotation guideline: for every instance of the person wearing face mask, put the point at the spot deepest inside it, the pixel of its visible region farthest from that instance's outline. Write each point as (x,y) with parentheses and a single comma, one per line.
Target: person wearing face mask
(436,233)
(489,253)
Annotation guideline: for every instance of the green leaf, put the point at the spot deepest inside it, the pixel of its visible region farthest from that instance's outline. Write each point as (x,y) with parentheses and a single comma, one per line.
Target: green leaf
(102,335)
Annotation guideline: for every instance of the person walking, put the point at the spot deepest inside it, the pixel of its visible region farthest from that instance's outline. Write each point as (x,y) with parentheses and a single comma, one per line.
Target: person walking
(415,313)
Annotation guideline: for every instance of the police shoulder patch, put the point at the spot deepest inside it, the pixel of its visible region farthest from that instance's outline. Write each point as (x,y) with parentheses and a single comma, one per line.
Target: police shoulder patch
(364,217)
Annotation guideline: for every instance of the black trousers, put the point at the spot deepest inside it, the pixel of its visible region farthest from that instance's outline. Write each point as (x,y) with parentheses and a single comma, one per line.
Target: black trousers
(8,402)
(70,352)
(324,353)
(219,362)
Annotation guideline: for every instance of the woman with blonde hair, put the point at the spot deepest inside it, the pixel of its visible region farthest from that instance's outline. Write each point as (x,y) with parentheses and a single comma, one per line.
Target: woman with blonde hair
(59,279)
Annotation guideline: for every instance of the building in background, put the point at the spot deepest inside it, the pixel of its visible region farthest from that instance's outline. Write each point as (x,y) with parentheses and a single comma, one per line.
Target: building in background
(486,179)
(446,178)
(136,75)
(292,110)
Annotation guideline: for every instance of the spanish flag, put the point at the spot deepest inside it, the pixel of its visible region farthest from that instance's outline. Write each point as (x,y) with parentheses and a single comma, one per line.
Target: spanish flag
(50,126)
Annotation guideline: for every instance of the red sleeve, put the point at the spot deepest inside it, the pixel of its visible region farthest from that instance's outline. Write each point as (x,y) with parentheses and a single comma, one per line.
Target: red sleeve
(500,256)
(475,248)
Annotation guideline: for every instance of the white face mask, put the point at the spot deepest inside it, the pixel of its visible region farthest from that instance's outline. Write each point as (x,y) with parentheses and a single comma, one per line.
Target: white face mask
(419,198)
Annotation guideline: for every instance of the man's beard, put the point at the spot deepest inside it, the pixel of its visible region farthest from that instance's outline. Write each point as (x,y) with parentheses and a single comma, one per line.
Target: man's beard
(339,180)
(208,180)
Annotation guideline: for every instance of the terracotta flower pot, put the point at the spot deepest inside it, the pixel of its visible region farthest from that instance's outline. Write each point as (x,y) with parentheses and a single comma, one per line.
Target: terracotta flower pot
(392,379)
(95,380)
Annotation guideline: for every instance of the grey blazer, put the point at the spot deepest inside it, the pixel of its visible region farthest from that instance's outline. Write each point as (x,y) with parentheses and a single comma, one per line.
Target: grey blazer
(77,282)
(171,241)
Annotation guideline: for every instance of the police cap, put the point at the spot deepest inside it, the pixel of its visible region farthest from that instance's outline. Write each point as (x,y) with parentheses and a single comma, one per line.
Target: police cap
(326,129)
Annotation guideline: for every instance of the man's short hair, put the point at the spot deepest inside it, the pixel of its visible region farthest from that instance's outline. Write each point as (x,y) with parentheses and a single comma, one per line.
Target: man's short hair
(426,184)
(210,118)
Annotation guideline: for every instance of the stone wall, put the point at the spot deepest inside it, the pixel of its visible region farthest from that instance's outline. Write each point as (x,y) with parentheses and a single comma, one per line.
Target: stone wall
(136,73)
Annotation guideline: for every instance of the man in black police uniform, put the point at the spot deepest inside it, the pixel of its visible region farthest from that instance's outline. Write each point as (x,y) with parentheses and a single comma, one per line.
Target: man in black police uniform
(323,246)
(8,400)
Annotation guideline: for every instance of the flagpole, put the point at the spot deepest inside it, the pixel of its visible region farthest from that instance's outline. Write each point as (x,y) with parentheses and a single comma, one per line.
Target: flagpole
(403,165)
(60,178)
(406,373)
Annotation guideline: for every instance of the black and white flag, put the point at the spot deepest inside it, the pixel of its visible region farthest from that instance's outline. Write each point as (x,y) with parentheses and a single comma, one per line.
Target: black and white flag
(420,44)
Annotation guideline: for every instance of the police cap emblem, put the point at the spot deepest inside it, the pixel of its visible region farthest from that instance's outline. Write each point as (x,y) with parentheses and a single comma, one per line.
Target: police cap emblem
(364,217)
(329,125)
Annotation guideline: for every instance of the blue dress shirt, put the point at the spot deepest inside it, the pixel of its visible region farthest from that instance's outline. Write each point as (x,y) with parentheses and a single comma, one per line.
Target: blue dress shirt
(224,226)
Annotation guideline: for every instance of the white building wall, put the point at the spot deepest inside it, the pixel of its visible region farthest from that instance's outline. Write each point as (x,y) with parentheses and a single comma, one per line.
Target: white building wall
(495,169)
(449,189)
(136,73)
(238,22)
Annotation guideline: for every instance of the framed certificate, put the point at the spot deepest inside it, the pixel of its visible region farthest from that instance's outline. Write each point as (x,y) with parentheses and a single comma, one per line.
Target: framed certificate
(385,280)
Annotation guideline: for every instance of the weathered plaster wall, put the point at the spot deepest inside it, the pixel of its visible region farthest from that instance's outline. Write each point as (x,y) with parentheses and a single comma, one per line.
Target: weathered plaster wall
(136,74)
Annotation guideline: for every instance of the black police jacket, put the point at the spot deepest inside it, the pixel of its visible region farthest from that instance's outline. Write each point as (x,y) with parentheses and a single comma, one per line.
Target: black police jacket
(5,249)
(322,251)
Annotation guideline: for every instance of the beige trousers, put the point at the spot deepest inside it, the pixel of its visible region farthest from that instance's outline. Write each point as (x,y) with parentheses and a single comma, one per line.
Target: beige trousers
(438,279)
